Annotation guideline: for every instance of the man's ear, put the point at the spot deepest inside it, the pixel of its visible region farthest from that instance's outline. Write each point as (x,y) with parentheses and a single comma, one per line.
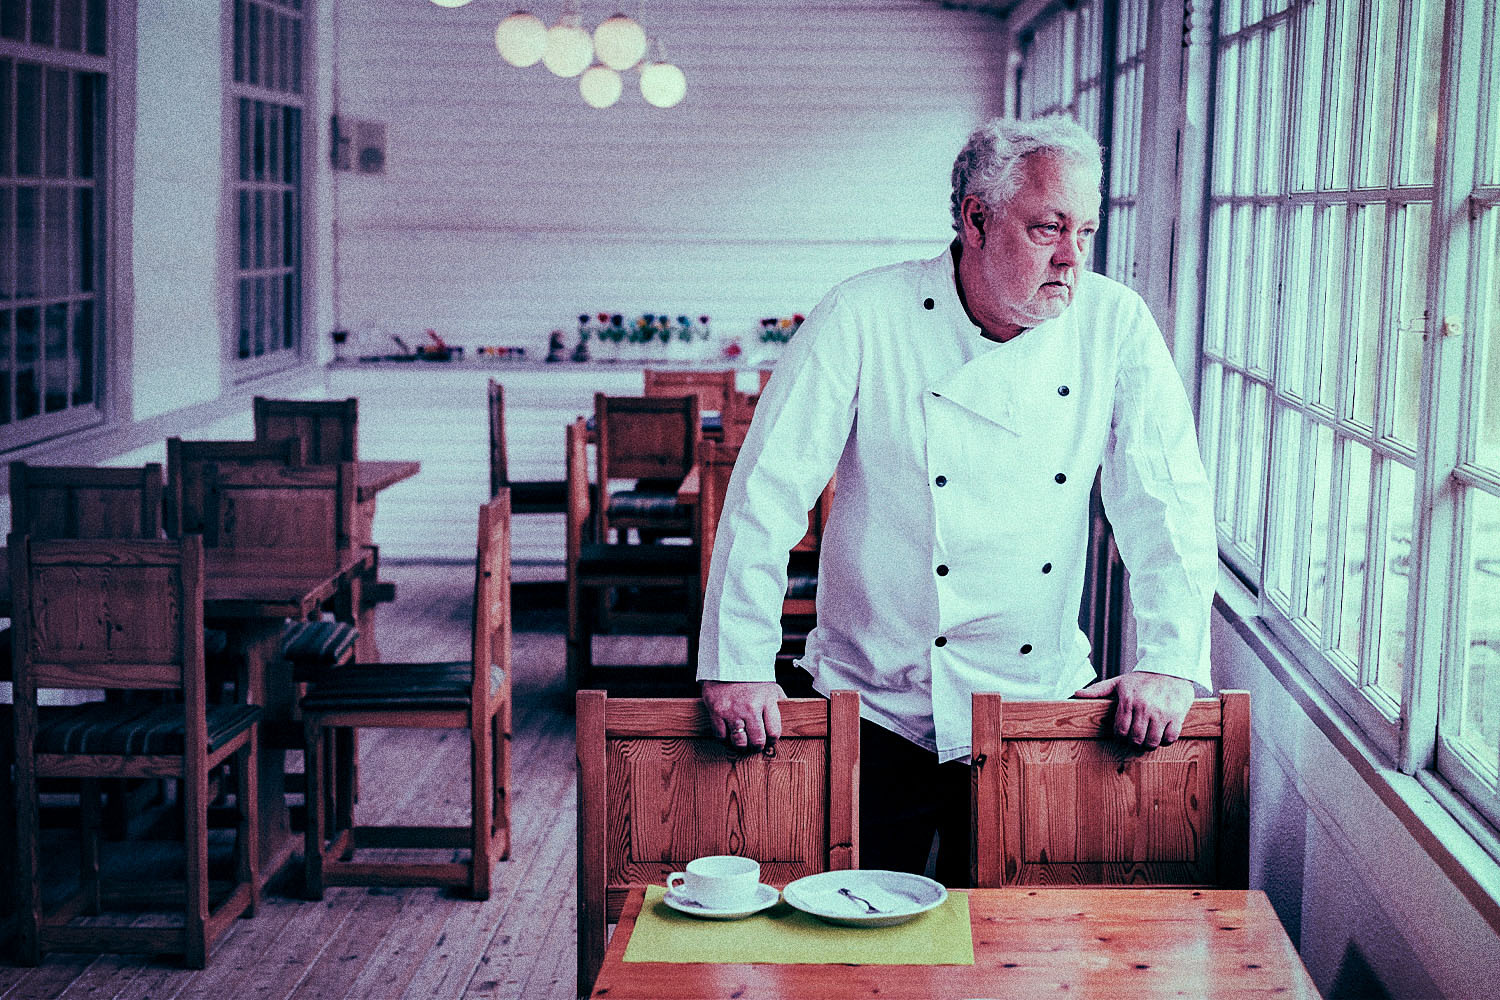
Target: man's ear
(974,214)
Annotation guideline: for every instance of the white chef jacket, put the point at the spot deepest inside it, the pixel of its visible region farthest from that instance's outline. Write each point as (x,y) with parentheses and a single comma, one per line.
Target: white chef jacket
(953,559)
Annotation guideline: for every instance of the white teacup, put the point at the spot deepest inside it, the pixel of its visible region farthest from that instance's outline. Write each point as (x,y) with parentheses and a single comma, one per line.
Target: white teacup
(718,881)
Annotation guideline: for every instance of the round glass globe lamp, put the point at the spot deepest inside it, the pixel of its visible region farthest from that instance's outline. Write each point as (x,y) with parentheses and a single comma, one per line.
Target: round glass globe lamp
(619,42)
(600,86)
(521,39)
(569,48)
(450,3)
(662,84)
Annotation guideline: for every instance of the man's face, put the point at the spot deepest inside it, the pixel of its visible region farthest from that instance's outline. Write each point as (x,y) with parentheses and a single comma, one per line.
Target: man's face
(1020,260)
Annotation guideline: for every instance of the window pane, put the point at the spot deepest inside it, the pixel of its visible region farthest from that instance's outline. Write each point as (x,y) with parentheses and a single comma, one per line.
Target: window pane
(57,122)
(28,243)
(1242,240)
(1379,95)
(96,27)
(1420,112)
(1365,298)
(58,278)
(1340,92)
(1485,417)
(244,221)
(1273,111)
(86,121)
(1294,327)
(1306,154)
(6,117)
(243,317)
(70,25)
(1225,115)
(28,120)
(1252,498)
(1390,658)
(1262,288)
(252,46)
(1286,456)
(55,361)
(41,22)
(87,257)
(1356,535)
(1215,311)
(13,19)
(1211,408)
(1479,722)
(1317,549)
(1227,489)
(1247,123)
(1410,318)
(28,350)
(5,367)
(1327,306)
(83,352)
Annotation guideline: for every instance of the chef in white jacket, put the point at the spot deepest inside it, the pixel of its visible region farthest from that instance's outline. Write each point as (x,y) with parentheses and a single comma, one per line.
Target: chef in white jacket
(966,403)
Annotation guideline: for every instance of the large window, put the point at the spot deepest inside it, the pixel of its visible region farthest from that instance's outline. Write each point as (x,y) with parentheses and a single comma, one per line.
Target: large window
(267,105)
(1350,403)
(54,74)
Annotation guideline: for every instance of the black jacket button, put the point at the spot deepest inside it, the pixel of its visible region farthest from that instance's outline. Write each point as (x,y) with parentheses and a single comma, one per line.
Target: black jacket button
(941,480)
(1046,567)
(1026,649)
(928,303)
(940,641)
(1062,390)
(1060,478)
(942,571)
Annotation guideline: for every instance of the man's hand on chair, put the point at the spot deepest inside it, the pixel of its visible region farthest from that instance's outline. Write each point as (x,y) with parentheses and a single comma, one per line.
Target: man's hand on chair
(1149,708)
(744,713)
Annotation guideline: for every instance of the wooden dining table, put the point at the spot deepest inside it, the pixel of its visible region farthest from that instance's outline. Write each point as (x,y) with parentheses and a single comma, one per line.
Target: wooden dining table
(1029,941)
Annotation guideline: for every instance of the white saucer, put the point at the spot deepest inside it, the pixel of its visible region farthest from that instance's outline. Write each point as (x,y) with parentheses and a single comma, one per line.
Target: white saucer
(765,896)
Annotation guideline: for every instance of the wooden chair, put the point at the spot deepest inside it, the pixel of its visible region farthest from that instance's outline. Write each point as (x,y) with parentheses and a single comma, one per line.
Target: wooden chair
(187,503)
(329,428)
(714,389)
(1060,800)
(656,789)
(653,441)
(86,502)
(601,576)
(799,607)
(533,497)
(473,696)
(124,615)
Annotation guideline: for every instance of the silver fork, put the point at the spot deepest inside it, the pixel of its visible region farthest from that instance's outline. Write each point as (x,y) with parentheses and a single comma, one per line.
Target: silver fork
(870,907)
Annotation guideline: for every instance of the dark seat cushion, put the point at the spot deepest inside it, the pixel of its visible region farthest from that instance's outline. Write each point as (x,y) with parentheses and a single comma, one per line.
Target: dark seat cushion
(135,730)
(397,686)
(539,497)
(315,646)
(637,560)
(799,585)
(644,504)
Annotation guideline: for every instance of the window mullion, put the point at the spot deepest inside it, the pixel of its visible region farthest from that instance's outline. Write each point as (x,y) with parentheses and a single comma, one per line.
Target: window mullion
(1432,631)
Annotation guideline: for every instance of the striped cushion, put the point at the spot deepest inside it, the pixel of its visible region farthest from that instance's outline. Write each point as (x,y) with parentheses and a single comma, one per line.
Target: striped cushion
(142,730)
(396,686)
(802,586)
(312,646)
(595,560)
(637,503)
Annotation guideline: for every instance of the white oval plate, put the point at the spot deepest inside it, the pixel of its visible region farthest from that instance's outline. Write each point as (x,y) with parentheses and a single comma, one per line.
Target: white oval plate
(898,896)
(765,896)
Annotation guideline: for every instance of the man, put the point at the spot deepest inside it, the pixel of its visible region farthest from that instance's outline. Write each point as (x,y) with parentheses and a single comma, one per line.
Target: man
(966,403)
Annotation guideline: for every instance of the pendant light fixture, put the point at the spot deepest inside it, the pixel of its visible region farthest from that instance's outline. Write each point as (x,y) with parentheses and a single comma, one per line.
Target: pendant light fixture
(662,84)
(450,4)
(600,85)
(619,42)
(521,39)
(570,49)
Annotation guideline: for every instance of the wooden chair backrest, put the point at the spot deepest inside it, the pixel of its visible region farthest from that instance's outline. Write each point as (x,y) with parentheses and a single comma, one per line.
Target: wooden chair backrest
(715,465)
(492,644)
(656,789)
(646,437)
(499,468)
(71,501)
(713,389)
(1060,800)
(107,613)
(280,520)
(186,499)
(328,427)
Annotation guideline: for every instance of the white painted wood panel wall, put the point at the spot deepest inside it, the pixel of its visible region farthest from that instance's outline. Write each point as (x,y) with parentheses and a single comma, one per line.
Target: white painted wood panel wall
(815,141)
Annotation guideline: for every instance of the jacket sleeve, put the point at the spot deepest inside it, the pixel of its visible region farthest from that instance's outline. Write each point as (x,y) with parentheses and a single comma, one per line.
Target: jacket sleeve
(1159,500)
(794,443)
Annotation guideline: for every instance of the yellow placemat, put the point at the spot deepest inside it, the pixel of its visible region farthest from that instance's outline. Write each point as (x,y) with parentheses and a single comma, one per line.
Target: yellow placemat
(784,935)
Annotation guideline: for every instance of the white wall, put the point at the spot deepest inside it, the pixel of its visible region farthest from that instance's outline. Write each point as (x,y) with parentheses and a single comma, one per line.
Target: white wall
(1370,910)
(177,337)
(815,141)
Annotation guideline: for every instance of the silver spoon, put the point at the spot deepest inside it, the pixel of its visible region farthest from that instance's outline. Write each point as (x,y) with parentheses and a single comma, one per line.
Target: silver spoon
(872,908)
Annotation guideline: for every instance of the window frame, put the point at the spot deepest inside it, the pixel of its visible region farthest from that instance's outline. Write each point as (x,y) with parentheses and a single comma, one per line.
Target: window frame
(239,369)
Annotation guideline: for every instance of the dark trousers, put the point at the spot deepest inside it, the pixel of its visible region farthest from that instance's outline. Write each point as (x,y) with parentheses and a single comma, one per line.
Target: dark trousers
(905,796)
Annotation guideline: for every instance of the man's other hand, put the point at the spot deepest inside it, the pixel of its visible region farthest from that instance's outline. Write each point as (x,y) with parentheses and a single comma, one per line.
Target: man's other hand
(1149,707)
(744,712)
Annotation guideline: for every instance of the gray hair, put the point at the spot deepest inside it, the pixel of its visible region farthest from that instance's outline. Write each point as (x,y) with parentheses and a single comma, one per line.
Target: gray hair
(989,165)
